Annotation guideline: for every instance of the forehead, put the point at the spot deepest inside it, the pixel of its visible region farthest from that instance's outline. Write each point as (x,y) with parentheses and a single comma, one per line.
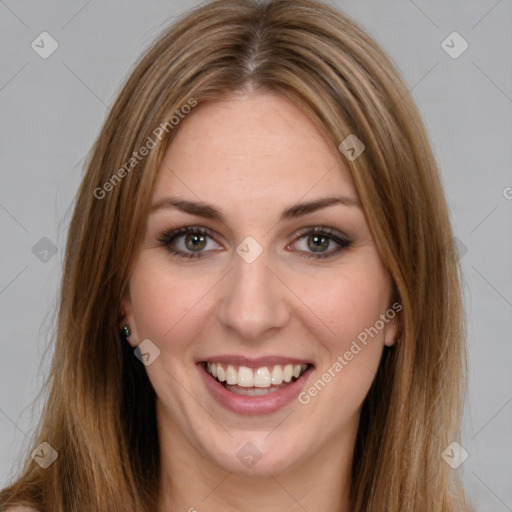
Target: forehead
(251,147)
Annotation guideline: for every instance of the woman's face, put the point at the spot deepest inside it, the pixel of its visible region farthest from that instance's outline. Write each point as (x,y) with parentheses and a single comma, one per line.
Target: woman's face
(249,291)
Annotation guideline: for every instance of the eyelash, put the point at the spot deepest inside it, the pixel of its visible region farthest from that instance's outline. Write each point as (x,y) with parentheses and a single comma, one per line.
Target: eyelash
(166,238)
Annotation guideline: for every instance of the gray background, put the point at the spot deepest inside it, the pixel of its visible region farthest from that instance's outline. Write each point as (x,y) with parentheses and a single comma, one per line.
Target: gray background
(52,110)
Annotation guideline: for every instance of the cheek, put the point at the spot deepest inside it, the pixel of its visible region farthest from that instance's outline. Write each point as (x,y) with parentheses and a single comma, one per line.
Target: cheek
(349,300)
(350,305)
(165,302)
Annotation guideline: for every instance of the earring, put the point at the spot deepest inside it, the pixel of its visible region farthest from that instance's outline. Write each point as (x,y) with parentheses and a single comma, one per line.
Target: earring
(125,332)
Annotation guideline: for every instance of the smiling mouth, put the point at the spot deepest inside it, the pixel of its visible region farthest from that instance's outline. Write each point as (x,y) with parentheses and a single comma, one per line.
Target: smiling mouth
(246,381)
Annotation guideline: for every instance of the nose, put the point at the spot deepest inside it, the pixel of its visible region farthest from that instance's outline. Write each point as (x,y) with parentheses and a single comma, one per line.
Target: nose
(254,302)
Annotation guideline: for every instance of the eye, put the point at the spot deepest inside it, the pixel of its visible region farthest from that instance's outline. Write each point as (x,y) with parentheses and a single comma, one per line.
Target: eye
(188,242)
(194,241)
(318,240)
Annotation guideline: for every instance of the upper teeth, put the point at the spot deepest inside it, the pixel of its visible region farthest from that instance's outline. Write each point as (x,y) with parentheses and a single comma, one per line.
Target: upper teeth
(262,377)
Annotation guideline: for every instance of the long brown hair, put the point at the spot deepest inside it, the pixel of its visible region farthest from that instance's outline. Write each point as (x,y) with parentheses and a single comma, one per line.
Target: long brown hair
(100,411)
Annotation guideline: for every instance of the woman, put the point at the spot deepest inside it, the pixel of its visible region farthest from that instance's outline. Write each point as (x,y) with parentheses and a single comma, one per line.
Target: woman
(262,219)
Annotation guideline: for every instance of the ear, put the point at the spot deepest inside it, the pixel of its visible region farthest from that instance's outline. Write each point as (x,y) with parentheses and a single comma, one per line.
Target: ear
(392,331)
(126,318)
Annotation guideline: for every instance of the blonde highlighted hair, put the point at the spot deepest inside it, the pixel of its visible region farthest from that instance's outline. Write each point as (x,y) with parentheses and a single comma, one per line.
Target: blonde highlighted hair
(100,410)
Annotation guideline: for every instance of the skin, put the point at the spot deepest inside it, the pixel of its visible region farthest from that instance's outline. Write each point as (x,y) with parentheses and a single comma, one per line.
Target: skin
(252,155)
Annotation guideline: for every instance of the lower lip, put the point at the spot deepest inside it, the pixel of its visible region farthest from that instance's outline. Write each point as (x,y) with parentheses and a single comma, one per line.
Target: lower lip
(253,405)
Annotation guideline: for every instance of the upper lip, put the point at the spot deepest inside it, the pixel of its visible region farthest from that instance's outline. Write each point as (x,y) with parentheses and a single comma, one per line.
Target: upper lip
(256,362)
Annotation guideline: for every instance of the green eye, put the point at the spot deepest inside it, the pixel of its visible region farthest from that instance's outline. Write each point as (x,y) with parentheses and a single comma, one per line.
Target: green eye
(193,242)
(319,240)
(190,241)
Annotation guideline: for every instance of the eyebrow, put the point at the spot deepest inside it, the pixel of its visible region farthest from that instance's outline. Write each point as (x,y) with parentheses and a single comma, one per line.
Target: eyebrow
(208,211)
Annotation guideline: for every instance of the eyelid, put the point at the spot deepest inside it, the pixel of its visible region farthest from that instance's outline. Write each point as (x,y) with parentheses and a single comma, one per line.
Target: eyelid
(166,236)
(317,228)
